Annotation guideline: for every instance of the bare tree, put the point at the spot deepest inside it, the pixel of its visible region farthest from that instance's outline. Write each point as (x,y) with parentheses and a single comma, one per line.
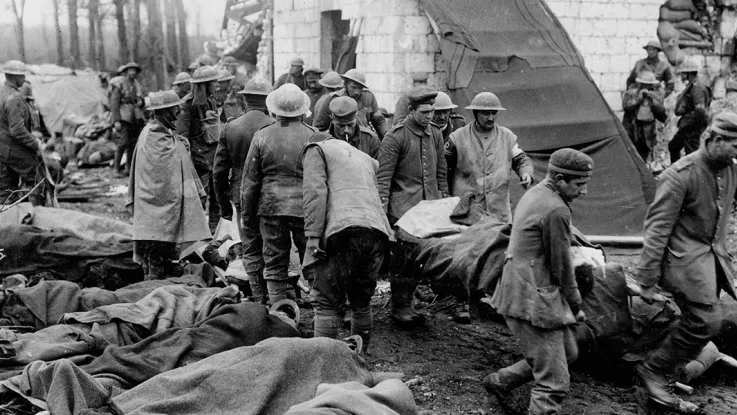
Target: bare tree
(59,38)
(100,40)
(92,9)
(155,40)
(136,29)
(182,29)
(74,34)
(18,7)
(122,34)
(171,32)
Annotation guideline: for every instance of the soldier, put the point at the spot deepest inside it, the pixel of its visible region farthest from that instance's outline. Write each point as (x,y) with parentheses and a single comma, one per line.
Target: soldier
(240,79)
(332,82)
(344,127)
(480,156)
(368,109)
(685,253)
(538,294)
(643,105)
(126,107)
(181,84)
(20,151)
(345,225)
(400,109)
(443,113)
(294,76)
(661,69)
(164,191)
(411,168)
(692,106)
(314,89)
(271,192)
(228,176)
(233,108)
(198,122)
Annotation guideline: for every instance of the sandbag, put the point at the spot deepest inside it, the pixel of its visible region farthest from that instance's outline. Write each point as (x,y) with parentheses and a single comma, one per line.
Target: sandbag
(686,35)
(680,5)
(690,26)
(674,16)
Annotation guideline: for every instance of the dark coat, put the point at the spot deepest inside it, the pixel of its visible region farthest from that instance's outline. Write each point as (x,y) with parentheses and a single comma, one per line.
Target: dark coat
(15,125)
(189,126)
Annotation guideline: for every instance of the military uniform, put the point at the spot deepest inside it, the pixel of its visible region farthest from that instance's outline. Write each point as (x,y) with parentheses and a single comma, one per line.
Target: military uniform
(368,113)
(538,294)
(693,120)
(287,78)
(343,209)
(18,148)
(685,252)
(230,158)
(662,70)
(314,97)
(640,116)
(126,106)
(480,163)
(271,192)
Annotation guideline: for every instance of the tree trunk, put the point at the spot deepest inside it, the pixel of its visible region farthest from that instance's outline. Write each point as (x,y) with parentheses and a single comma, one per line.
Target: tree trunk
(92,9)
(171,32)
(59,38)
(136,29)
(122,34)
(183,38)
(100,42)
(18,11)
(74,35)
(155,39)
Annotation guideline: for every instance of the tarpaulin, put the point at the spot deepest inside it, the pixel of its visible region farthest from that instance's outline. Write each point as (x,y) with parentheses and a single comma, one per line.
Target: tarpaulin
(527,59)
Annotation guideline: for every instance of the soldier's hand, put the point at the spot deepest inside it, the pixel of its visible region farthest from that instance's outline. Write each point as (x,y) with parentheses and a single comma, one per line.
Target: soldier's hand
(650,295)
(580,316)
(313,247)
(117,125)
(526,180)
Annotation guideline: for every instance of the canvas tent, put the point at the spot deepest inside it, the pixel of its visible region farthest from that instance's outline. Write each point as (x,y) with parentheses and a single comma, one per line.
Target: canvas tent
(519,50)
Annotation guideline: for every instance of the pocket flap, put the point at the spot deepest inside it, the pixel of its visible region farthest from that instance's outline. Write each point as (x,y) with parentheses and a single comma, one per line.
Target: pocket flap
(676,253)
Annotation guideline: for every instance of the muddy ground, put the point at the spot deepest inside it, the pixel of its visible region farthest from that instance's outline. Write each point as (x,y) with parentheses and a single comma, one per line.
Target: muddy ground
(444,361)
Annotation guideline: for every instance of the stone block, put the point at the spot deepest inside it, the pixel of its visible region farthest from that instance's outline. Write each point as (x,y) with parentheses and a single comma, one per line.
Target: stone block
(619,63)
(283,46)
(283,31)
(728,23)
(405,8)
(584,27)
(598,63)
(302,46)
(304,4)
(419,62)
(616,45)
(614,99)
(280,6)
(613,81)
(391,25)
(643,11)
(593,46)
(417,25)
(607,27)
(592,10)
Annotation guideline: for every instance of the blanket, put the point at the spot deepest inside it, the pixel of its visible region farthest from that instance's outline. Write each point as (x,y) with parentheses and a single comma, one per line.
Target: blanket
(172,358)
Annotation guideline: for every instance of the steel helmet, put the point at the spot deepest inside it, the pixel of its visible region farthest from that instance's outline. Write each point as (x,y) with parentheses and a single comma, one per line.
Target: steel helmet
(688,66)
(331,79)
(163,99)
(181,78)
(229,60)
(297,61)
(316,71)
(204,74)
(356,76)
(443,102)
(132,65)
(257,86)
(486,101)
(647,77)
(225,76)
(288,101)
(121,69)
(14,68)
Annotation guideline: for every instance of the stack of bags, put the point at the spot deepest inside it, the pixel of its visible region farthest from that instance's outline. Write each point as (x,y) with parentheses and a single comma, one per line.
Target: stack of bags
(679,16)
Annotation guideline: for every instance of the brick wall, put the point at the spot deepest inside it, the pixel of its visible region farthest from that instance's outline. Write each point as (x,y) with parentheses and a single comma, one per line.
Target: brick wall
(610,35)
(395,40)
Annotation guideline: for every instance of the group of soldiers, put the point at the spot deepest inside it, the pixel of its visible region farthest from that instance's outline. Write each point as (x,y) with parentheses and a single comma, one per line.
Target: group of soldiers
(642,103)
(318,166)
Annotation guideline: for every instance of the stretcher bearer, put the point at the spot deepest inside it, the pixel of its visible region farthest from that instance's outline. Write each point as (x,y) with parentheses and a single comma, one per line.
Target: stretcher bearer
(345,224)
(271,192)
(538,294)
(126,107)
(685,253)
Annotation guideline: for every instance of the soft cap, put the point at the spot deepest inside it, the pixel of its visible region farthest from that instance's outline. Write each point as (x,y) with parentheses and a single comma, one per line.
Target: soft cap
(572,162)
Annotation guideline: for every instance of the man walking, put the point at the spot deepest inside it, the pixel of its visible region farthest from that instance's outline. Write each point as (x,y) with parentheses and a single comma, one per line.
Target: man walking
(164,191)
(230,157)
(20,152)
(643,105)
(537,294)
(411,169)
(294,76)
(345,224)
(271,192)
(662,69)
(126,107)
(480,156)
(685,253)
(443,113)
(344,126)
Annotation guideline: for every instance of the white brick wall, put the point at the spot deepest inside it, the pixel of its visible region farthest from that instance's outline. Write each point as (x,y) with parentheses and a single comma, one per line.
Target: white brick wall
(610,35)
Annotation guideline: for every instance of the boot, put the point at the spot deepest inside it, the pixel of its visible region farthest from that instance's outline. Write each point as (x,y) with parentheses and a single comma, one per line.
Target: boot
(660,391)
(279,290)
(461,314)
(424,293)
(406,315)
(117,159)
(504,396)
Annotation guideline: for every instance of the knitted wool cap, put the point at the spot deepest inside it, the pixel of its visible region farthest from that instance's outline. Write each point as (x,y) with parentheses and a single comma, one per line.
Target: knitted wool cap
(572,162)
